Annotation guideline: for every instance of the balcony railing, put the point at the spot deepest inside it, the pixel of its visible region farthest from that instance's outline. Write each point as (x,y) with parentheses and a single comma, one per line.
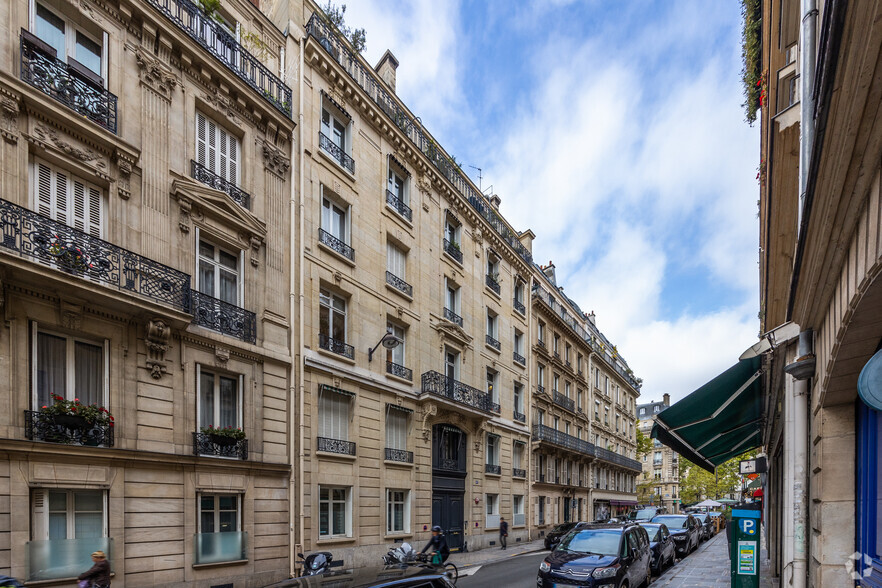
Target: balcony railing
(492,283)
(518,358)
(561,400)
(491,468)
(492,342)
(43,427)
(218,446)
(540,389)
(212,35)
(440,385)
(335,346)
(399,455)
(209,548)
(619,460)
(53,559)
(336,152)
(335,446)
(453,250)
(399,284)
(518,473)
(399,371)
(452,317)
(72,85)
(202,174)
(326,238)
(223,317)
(450,465)
(519,306)
(519,416)
(368,80)
(398,204)
(544,433)
(77,253)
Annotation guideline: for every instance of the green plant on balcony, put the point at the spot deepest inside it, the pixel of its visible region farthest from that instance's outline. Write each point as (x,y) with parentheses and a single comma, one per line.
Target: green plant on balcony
(335,18)
(225,433)
(751,53)
(455,245)
(210,8)
(73,413)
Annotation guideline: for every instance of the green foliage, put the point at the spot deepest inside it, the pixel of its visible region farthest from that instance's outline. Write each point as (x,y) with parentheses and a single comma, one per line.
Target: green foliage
(644,444)
(92,413)
(751,52)
(210,8)
(696,483)
(335,17)
(255,45)
(234,433)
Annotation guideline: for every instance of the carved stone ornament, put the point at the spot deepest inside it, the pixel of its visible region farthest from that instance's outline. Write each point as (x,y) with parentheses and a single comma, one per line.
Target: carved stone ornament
(123,183)
(274,159)
(223,105)
(71,315)
(424,185)
(221,356)
(338,276)
(186,207)
(157,340)
(9,111)
(255,243)
(428,411)
(478,235)
(46,134)
(156,75)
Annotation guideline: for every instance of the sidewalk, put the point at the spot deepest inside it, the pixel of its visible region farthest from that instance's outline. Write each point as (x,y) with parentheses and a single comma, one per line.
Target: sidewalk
(495,554)
(708,567)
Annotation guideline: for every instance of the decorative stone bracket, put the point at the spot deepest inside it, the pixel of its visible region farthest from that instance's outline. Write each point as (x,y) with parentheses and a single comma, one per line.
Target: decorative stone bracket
(157,340)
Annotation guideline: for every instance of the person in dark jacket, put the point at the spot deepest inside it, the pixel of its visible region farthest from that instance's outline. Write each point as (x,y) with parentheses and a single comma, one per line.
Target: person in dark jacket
(99,573)
(438,543)
(503,532)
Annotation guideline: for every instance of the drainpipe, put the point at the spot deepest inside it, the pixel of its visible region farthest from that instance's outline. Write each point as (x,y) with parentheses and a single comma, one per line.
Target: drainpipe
(807,58)
(301,456)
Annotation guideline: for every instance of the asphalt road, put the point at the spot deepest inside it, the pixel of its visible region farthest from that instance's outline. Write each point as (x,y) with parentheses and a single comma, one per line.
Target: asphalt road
(516,572)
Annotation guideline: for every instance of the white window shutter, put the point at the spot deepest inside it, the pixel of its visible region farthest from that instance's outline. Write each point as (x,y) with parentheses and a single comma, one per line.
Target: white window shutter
(78,216)
(95,212)
(44,200)
(233,155)
(61,197)
(40,509)
(201,140)
(222,168)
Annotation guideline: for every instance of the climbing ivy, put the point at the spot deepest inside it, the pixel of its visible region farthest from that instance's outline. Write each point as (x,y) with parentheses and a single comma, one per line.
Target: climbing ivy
(751,52)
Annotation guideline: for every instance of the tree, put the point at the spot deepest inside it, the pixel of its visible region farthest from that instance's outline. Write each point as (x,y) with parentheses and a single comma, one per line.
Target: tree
(644,444)
(697,483)
(336,18)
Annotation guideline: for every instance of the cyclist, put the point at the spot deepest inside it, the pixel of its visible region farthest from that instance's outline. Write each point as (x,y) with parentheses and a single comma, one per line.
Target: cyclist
(438,544)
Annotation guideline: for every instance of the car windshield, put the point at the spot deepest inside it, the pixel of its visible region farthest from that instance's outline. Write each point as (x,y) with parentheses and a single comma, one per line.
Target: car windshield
(596,541)
(642,515)
(673,521)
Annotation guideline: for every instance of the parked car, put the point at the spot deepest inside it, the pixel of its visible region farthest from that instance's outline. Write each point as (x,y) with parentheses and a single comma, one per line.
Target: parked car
(599,554)
(394,576)
(685,530)
(553,537)
(645,513)
(707,525)
(661,546)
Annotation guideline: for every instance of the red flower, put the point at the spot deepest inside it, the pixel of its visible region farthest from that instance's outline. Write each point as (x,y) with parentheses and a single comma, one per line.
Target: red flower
(44,406)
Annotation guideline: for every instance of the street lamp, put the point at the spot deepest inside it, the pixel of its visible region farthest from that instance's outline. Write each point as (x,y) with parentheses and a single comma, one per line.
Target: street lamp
(389,341)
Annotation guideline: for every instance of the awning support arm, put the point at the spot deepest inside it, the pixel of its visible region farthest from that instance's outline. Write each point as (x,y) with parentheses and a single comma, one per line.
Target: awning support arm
(670,432)
(723,406)
(726,432)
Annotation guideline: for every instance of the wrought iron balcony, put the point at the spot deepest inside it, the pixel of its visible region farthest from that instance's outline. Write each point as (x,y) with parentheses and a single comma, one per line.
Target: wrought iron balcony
(518,473)
(202,174)
(560,439)
(335,446)
(336,152)
(64,248)
(452,317)
(399,455)
(493,469)
(218,446)
(519,306)
(73,85)
(517,357)
(326,238)
(399,371)
(492,342)
(450,465)
(561,400)
(440,385)
(492,283)
(619,460)
(452,249)
(398,204)
(335,346)
(214,37)
(541,343)
(71,431)
(223,317)
(399,284)
(519,416)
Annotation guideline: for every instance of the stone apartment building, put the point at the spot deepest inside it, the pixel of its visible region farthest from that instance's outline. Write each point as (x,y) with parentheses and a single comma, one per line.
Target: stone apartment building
(583,414)
(661,471)
(145,268)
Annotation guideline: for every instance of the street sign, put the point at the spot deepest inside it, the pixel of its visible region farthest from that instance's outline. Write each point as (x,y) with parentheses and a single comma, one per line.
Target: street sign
(753,466)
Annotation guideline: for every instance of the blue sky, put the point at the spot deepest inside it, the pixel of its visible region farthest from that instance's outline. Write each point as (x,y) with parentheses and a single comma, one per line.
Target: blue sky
(615,131)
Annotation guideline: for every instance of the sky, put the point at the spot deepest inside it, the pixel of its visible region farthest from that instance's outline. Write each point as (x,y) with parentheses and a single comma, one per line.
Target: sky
(615,131)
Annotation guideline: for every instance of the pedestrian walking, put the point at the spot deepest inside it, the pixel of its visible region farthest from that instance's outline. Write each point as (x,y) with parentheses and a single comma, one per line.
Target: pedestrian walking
(98,576)
(503,532)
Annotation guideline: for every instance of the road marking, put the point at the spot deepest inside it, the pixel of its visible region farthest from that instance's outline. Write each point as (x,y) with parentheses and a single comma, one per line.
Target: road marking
(468,571)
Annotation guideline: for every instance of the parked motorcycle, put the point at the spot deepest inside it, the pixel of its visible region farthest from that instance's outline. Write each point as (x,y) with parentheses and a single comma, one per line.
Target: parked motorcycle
(400,554)
(316,563)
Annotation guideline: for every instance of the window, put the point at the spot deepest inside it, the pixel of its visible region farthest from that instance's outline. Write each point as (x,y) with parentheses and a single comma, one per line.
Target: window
(492,324)
(68,514)
(597,378)
(396,355)
(218,513)
(67,199)
(219,399)
(332,316)
(579,363)
(218,274)
(492,504)
(540,417)
(68,366)
(333,415)
(517,507)
(567,387)
(451,296)
(396,261)
(69,41)
(397,511)
(540,377)
(451,232)
(556,383)
(335,136)
(519,296)
(451,363)
(657,458)
(519,343)
(579,398)
(518,397)
(492,388)
(335,511)
(396,428)
(397,184)
(517,455)
(606,385)
(567,349)
(541,332)
(493,450)
(216,149)
(556,344)
(335,219)
(540,511)
(556,423)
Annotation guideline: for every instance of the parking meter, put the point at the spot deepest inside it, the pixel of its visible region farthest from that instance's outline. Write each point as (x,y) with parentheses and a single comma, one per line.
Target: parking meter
(744,549)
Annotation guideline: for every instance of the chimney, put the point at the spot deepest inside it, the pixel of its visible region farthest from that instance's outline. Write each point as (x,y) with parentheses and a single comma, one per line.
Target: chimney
(494,201)
(590,317)
(386,68)
(666,398)
(548,270)
(526,238)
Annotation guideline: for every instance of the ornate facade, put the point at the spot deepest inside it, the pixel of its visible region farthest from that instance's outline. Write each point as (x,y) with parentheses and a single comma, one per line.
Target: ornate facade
(659,483)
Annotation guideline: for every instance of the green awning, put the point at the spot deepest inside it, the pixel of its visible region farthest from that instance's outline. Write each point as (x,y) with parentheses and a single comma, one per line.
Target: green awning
(719,421)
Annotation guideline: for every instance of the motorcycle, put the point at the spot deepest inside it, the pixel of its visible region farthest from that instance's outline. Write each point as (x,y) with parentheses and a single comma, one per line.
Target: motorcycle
(400,554)
(315,563)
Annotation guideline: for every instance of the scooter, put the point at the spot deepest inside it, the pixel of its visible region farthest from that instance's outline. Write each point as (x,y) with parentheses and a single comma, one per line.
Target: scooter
(315,563)
(400,554)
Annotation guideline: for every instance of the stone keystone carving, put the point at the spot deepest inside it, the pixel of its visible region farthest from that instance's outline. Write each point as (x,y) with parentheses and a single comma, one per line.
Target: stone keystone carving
(155,74)
(158,337)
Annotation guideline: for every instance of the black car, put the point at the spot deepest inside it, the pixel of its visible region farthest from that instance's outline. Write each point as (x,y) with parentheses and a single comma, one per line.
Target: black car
(397,576)
(707,525)
(661,546)
(685,530)
(645,513)
(557,533)
(597,554)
